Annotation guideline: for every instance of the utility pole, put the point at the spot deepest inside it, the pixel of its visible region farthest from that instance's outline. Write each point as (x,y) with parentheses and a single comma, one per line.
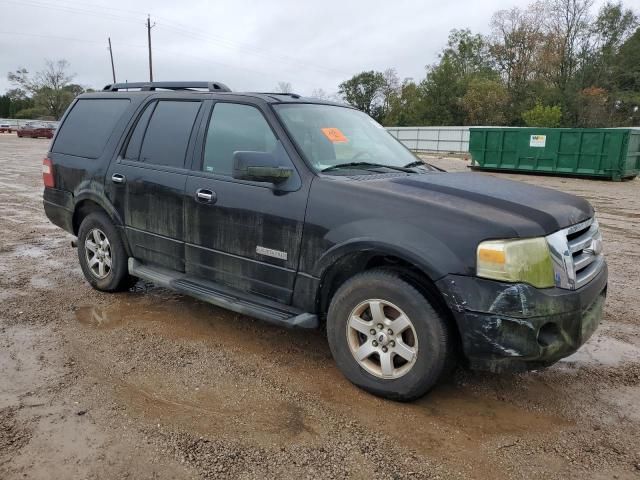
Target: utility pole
(113,68)
(149,26)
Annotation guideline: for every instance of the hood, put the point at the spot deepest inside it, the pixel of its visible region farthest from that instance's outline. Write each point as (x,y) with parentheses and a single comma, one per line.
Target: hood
(526,209)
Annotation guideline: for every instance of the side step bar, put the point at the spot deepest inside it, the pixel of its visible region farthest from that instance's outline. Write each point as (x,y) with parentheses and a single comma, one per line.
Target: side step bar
(223,296)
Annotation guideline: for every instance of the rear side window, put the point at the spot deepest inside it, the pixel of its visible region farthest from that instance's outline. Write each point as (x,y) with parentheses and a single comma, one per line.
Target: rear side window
(167,135)
(87,128)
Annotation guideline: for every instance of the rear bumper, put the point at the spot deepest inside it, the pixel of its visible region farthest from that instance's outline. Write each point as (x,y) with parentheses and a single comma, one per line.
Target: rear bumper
(515,327)
(58,206)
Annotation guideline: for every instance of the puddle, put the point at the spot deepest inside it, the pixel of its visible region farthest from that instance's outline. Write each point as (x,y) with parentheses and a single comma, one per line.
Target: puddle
(245,405)
(218,411)
(602,350)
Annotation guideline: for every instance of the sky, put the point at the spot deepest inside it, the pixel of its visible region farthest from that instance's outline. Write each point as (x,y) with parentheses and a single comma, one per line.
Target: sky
(249,45)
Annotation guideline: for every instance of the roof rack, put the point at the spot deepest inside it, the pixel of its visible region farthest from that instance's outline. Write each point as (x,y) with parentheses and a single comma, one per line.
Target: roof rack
(290,94)
(150,86)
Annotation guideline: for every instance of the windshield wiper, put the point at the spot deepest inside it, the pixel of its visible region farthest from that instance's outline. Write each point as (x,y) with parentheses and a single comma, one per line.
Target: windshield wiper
(420,163)
(365,165)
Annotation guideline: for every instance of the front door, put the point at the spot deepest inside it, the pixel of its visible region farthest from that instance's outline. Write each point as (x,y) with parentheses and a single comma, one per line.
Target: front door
(147,181)
(243,234)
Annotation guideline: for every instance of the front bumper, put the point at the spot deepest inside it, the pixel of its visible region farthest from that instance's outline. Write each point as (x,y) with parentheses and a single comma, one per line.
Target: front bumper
(515,327)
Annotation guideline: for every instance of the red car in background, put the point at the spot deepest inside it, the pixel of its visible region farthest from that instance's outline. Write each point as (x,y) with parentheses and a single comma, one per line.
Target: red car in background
(5,128)
(36,129)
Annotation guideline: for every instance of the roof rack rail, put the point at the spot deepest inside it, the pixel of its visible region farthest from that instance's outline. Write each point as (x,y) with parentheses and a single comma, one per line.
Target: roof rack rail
(150,86)
(290,94)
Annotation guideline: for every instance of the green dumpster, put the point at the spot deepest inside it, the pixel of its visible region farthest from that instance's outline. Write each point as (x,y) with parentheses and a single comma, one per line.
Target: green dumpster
(610,153)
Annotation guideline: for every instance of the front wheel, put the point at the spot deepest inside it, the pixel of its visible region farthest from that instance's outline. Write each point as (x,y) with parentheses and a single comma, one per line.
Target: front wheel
(102,256)
(386,337)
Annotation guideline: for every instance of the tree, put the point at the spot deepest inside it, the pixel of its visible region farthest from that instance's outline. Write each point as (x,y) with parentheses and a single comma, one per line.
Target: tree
(515,40)
(364,91)
(592,108)
(284,87)
(406,106)
(485,102)
(466,57)
(543,116)
(626,82)
(390,87)
(320,94)
(50,88)
(568,28)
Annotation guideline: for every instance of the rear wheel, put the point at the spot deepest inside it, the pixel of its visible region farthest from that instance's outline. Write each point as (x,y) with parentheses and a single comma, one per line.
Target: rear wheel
(386,337)
(102,256)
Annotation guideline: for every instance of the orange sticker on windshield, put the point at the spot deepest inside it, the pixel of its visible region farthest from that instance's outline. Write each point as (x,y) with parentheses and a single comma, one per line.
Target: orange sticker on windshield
(334,135)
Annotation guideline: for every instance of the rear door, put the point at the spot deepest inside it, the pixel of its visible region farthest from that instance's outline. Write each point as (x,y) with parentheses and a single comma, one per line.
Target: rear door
(147,181)
(242,234)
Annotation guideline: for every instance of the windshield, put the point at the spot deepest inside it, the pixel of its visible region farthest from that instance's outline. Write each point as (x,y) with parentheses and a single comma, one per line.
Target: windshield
(331,135)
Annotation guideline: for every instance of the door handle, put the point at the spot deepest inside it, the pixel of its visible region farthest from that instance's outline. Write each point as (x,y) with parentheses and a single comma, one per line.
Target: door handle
(205,196)
(117,178)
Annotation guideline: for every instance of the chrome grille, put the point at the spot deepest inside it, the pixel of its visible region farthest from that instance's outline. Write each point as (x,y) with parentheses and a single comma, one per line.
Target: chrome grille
(577,254)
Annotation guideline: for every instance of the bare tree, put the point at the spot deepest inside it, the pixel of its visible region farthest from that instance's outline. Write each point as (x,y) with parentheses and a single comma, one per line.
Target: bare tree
(320,94)
(50,88)
(568,23)
(284,87)
(390,87)
(515,40)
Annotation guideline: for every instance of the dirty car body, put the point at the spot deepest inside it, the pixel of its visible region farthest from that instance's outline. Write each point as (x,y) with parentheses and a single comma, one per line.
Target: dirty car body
(239,236)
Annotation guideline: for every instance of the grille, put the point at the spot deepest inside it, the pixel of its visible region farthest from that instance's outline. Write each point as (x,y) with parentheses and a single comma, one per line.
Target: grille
(577,254)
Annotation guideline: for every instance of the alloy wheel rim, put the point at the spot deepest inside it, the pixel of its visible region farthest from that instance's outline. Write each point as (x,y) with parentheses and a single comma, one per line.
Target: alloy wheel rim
(382,339)
(98,252)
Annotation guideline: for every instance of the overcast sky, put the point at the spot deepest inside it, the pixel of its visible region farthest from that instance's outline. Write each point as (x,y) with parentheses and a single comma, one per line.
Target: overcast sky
(249,45)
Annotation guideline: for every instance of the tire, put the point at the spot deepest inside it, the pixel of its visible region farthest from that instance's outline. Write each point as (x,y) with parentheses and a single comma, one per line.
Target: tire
(427,336)
(94,229)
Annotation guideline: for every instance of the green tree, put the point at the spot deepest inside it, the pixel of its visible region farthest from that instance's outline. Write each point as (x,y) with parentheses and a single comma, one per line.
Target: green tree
(365,92)
(626,82)
(406,106)
(485,102)
(543,116)
(466,57)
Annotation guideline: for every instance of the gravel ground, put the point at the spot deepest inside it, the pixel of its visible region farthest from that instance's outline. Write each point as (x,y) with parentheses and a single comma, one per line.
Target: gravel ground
(151,384)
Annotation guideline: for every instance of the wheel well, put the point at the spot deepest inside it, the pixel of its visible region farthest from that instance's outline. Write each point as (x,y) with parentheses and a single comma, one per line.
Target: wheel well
(353,264)
(84,208)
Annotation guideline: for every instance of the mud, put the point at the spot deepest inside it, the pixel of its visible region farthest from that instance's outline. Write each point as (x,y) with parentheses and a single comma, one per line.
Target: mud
(151,384)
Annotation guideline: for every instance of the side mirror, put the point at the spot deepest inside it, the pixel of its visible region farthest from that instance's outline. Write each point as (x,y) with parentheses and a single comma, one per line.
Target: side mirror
(259,167)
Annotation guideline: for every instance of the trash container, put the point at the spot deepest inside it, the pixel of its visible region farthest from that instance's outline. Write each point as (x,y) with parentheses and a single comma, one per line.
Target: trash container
(610,153)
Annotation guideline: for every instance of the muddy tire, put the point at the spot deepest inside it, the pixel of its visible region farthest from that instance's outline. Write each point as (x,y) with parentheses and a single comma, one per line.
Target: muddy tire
(386,337)
(101,253)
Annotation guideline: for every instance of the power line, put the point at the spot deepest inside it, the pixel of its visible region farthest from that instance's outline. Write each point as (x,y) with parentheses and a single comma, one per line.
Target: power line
(183,30)
(69,39)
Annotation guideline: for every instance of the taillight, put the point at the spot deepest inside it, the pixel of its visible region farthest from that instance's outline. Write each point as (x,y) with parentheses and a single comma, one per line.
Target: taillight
(47,173)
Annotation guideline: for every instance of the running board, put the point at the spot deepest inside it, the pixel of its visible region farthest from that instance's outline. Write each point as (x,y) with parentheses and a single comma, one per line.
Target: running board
(223,296)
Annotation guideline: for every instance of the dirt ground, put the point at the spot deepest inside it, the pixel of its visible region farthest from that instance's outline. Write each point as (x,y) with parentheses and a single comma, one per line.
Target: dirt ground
(151,384)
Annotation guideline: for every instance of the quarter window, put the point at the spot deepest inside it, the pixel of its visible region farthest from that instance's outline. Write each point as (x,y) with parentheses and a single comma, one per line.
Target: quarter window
(88,126)
(167,136)
(235,127)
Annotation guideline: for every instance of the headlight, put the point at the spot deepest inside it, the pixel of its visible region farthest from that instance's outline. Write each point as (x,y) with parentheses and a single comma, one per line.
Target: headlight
(525,260)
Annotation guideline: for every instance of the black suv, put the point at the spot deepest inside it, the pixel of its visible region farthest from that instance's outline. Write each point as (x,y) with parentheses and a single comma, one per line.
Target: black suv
(307,213)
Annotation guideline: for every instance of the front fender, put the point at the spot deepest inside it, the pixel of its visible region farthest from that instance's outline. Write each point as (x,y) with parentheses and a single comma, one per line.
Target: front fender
(389,237)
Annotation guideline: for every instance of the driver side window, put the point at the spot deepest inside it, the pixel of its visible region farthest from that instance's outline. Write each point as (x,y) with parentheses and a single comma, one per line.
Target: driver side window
(235,127)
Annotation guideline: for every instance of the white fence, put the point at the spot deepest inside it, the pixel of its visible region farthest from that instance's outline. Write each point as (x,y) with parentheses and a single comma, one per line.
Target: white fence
(19,122)
(433,139)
